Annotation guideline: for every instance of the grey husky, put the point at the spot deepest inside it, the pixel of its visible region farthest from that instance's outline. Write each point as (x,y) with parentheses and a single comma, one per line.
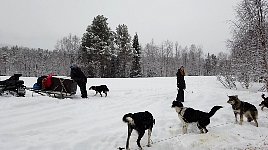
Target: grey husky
(243,109)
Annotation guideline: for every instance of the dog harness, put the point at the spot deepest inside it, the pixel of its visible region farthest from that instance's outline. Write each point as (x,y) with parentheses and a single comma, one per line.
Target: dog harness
(183,114)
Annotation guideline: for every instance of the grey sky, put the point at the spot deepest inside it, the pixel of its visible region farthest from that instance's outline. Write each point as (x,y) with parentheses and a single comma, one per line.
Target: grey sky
(40,23)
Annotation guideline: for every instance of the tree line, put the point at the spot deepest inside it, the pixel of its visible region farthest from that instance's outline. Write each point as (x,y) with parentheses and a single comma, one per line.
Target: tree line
(154,61)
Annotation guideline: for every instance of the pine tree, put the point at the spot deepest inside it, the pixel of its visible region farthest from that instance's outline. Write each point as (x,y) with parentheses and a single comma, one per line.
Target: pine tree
(96,47)
(136,64)
(124,50)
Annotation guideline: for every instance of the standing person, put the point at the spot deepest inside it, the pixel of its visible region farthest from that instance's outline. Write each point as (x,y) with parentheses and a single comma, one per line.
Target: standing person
(180,84)
(78,76)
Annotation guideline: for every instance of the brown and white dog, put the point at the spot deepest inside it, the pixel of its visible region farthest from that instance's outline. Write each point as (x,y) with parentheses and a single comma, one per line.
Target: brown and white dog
(243,109)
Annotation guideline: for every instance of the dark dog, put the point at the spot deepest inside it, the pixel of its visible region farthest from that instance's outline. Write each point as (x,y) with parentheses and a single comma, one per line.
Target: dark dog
(99,89)
(140,122)
(264,103)
(189,115)
(243,109)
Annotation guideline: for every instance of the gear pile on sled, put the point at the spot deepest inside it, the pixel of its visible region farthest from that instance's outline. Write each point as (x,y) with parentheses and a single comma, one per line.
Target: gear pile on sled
(13,86)
(54,86)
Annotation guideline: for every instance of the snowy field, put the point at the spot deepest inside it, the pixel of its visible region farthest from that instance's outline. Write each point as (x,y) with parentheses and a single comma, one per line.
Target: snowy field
(45,123)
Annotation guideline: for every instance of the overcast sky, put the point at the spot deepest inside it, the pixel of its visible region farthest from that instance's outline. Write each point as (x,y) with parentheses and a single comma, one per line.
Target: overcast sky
(40,23)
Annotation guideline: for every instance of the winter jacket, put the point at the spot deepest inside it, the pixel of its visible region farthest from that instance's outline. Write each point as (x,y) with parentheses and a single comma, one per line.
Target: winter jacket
(77,75)
(180,81)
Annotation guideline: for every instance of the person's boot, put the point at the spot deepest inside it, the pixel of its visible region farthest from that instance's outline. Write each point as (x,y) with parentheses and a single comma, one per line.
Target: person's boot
(84,96)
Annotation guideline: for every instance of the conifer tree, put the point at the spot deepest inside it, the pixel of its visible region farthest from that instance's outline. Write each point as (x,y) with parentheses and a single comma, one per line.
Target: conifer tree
(124,51)
(95,51)
(136,64)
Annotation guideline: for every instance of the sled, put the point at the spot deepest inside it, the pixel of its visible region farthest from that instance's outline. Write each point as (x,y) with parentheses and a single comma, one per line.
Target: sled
(60,88)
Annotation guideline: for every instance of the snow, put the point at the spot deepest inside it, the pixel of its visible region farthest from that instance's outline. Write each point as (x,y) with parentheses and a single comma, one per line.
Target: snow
(45,123)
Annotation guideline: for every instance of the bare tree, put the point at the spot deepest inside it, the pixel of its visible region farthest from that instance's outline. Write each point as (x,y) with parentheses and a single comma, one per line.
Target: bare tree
(249,42)
(70,44)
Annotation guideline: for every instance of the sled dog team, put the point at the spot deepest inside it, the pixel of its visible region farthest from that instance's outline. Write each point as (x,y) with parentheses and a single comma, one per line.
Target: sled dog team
(142,121)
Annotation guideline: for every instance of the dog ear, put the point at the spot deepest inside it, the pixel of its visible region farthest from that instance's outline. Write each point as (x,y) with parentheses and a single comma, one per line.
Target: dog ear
(230,96)
(181,104)
(174,103)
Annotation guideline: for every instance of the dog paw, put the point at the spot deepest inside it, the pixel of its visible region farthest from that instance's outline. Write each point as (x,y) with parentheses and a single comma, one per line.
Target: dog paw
(149,145)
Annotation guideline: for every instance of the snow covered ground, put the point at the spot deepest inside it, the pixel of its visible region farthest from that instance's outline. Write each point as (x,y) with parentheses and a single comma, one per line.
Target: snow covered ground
(45,123)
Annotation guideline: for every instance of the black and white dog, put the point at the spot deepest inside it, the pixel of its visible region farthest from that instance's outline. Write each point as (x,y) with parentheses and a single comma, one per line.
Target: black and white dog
(189,115)
(264,103)
(99,89)
(140,122)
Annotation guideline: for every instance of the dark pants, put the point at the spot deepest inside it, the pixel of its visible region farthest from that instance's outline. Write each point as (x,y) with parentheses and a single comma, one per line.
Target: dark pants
(83,89)
(180,95)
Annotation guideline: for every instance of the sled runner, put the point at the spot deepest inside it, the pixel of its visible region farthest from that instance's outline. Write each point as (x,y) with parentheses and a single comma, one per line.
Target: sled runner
(54,86)
(13,86)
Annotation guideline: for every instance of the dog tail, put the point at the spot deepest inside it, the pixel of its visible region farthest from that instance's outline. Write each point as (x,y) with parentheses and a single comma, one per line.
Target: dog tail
(213,110)
(264,98)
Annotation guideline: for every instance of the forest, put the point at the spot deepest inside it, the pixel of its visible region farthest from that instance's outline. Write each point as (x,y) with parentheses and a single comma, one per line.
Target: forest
(154,60)
(105,53)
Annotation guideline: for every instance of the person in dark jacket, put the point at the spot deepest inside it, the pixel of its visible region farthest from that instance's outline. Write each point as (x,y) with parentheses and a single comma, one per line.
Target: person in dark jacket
(180,84)
(78,76)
